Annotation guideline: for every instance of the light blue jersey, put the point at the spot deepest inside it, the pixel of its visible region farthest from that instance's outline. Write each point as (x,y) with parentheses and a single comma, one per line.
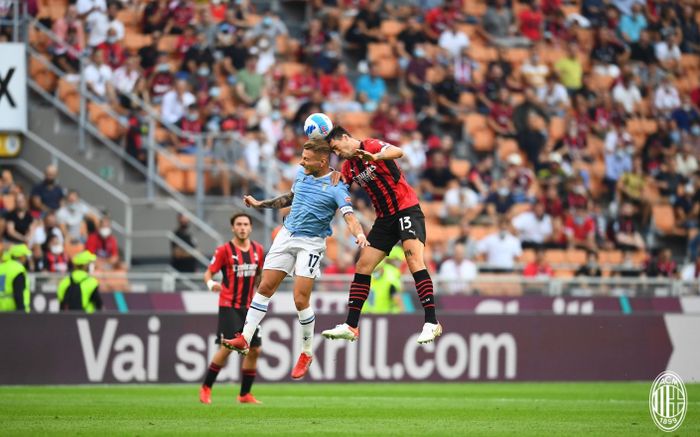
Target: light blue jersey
(314,205)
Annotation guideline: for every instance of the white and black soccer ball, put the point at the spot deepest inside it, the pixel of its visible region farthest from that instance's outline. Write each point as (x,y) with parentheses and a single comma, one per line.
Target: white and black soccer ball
(317,126)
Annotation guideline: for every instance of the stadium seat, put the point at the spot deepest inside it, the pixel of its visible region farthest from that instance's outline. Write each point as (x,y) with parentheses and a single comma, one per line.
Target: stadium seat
(467,100)
(68,93)
(475,122)
(609,257)
(479,232)
(575,256)
(391,28)
(72,248)
(379,50)
(134,41)
(506,147)
(289,69)
(484,141)
(663,219)
(557,128)
(387,68)
(8,202)
(460,167)
(167,43)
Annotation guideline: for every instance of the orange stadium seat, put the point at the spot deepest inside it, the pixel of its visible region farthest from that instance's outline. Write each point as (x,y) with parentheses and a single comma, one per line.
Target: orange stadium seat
(379,50)
(460,167)
(391,28)
(663,219)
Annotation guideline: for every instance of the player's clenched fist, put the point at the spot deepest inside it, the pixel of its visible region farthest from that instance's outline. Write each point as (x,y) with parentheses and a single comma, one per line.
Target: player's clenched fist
(251,202)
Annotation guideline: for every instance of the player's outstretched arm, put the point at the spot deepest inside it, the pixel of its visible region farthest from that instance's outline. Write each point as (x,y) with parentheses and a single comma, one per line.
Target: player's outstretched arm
(278,202)
(387,153)
(356,229)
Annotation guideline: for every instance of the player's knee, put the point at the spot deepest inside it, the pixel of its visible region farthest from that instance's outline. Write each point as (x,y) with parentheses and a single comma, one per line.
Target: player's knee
(301,302)
(253,352)
(266,289)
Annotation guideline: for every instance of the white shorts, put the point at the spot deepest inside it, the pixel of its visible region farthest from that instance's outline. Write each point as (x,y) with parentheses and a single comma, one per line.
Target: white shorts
(297,256)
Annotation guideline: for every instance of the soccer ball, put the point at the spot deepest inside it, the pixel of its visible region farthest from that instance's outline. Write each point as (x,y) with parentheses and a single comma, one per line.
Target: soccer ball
(317,126)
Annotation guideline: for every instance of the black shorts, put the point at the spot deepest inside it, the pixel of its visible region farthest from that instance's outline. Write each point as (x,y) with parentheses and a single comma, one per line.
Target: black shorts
(231,322)
(407,224)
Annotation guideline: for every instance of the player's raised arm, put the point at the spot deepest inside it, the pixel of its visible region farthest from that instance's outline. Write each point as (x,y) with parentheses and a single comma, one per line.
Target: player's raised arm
(387,153)
(278,202)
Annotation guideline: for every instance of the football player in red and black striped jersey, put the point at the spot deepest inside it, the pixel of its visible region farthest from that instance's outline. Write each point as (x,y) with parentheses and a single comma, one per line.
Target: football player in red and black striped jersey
(240,263)
(371,164)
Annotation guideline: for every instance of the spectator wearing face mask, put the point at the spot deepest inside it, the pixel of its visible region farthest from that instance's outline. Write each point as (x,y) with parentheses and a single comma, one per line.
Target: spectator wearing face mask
(103,244)
(40,235)
(55,260)
(500,201)
(580,229)
(70,217)
(190,125)
(591,269)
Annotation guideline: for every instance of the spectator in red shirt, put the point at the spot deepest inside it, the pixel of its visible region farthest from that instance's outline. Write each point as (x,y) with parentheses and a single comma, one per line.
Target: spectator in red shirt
(539,268)
(113,50)
(288,146)
(338,91)
(438,18)
(501,115)
(663,266)
(531,21)
(580,229)
(103,244)
(185,42)
(191,124)
(181,15)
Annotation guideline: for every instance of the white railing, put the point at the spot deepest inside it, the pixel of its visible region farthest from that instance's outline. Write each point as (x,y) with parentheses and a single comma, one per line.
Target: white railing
(488,284)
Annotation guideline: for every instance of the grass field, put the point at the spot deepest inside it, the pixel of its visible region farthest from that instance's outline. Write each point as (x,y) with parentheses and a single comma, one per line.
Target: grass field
(334,409)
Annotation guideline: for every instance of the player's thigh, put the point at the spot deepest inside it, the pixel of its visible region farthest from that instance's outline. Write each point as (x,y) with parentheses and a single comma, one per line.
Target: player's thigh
(302,291)
(384,234)
(280,258)
(370,257)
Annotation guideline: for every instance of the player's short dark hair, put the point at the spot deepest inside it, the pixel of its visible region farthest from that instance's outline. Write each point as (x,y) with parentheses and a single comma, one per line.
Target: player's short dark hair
(318,146)
(336,133)
(239,215)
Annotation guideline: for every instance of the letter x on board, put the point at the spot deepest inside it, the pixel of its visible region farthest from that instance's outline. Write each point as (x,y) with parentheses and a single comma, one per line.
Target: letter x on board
(4,87)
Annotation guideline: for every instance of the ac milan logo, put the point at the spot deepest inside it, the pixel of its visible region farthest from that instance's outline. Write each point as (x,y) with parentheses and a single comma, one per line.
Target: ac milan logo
(668,401)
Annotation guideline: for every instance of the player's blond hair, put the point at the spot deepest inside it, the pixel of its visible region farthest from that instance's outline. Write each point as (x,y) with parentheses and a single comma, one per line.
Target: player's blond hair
(318,146)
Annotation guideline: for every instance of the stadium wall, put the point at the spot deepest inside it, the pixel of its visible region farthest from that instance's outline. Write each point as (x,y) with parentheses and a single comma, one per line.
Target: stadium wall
(132,348)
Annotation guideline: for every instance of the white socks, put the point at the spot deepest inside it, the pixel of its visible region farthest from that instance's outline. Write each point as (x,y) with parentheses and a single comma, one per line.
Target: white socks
(307,319)
(257,311)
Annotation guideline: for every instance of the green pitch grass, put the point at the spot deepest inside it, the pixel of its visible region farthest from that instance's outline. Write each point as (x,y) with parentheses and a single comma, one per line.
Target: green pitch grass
(521,409)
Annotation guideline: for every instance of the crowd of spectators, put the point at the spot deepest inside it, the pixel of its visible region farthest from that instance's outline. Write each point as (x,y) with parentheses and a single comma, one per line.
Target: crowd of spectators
(558,125)
(55,224)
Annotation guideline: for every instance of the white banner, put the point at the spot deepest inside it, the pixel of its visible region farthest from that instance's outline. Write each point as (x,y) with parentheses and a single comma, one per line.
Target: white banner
(13,88)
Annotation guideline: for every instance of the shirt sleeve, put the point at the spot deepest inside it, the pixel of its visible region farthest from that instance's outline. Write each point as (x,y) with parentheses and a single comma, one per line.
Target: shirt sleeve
(374,146)
(342,198)
(217,261)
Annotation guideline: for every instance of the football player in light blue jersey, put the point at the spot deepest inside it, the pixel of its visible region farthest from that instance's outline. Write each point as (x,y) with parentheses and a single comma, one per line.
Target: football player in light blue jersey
(300,244)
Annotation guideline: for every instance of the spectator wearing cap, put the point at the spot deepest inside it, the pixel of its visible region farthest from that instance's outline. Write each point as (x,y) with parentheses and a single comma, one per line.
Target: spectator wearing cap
(15,295)
(103,244)
(79,291)
(533,227)
(500,250)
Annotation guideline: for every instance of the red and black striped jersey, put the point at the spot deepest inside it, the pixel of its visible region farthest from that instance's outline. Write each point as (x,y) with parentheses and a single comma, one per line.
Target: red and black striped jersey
(383,181)
(238,268)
